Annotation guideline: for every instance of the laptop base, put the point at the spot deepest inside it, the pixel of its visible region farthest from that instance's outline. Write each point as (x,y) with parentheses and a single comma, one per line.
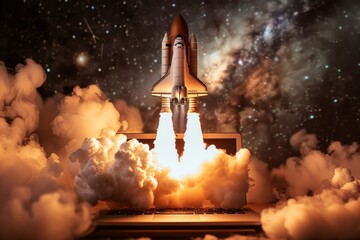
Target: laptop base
(177,225)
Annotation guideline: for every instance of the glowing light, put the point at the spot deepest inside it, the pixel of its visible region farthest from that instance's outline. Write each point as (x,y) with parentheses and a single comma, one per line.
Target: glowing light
(194,149)
(194,154)
(194,143)
(82,59)
(165,146)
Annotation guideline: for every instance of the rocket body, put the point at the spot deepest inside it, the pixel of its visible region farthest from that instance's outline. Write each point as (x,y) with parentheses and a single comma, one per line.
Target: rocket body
(179,84)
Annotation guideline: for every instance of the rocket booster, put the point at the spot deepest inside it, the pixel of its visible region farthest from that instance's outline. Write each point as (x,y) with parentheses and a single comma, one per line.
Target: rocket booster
(179,84)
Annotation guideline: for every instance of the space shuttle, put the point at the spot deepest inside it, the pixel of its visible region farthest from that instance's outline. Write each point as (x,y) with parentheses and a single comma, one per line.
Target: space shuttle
(179,84)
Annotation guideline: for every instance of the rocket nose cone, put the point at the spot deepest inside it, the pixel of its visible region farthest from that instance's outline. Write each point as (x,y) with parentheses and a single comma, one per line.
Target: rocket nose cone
(179,26)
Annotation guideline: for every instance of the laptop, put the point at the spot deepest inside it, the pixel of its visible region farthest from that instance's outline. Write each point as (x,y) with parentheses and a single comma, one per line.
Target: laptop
(179,222)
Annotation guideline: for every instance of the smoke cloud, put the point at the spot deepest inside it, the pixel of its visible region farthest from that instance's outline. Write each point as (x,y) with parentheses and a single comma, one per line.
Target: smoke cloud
(37,196)
(84,114)
(261,187)
(304,142)
(318,193)
(314,168)
(115,170)
(130,115)
(331,214)
(33,200)
(126,172)
(20,101)
(222,181)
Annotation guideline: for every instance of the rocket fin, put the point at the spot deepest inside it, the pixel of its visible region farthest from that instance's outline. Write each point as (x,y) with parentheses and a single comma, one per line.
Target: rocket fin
(162,88)
(195,87)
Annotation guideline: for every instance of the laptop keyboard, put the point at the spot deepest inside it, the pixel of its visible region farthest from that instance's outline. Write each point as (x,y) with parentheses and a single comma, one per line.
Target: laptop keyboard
(151,211)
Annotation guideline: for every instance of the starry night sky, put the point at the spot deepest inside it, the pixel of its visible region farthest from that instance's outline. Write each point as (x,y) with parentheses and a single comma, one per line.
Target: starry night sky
(272,67)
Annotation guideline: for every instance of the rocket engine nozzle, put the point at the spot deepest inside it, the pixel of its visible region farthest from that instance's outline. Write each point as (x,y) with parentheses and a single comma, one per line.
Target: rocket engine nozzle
(165,105)
(179,95)
(193,105)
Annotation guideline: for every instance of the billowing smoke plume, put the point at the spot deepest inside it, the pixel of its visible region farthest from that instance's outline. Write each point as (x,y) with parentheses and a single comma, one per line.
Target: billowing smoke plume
(318,192)
(261,188)
(84,114)
(304,142)
(34,203)
(126,172)
(221,181)
(331,214)
(19,101)
(36,194)
(314,168)
(131,121)
(116,170)
(65,121)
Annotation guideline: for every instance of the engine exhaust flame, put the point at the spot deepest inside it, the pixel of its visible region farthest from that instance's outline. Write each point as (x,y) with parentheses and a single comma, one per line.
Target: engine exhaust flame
(195,153)
(165,147)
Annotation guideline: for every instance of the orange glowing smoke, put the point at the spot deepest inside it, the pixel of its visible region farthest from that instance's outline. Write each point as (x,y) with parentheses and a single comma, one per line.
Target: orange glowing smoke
(35,202)
(135,176)
(202,176)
